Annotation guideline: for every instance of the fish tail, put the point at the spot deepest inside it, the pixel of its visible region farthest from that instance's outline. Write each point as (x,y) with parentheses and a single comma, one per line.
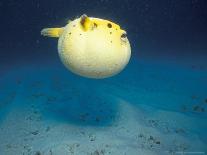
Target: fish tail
(52,32)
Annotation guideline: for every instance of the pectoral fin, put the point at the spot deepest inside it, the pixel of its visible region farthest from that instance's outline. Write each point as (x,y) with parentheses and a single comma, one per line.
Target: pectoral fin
(52,32)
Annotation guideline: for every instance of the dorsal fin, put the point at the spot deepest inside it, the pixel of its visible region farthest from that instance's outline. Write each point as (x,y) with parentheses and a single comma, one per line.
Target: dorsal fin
(85,22)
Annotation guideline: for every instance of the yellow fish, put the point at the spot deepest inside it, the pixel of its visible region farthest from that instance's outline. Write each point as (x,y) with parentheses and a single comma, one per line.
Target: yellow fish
(92,47)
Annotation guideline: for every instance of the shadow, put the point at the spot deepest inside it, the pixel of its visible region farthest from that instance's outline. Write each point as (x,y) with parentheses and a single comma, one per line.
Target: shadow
(80,102)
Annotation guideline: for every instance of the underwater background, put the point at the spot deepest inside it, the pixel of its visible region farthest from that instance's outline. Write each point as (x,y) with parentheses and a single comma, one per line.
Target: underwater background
(156,106)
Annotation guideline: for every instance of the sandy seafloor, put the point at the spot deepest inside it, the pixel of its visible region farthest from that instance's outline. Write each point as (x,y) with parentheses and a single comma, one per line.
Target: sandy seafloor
(149,109)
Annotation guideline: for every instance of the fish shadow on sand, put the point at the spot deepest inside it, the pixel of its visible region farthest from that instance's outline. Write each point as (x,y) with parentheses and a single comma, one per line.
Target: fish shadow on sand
(84,106)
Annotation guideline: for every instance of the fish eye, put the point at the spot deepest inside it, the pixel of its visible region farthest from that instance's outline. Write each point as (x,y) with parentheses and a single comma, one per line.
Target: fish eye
(124,35)
(109,25)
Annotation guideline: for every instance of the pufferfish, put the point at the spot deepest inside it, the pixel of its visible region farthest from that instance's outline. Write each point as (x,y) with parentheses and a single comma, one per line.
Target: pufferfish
(92,47)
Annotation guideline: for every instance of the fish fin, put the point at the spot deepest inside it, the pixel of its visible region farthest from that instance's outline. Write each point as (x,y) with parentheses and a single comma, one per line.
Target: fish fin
(52,32)
(85,22)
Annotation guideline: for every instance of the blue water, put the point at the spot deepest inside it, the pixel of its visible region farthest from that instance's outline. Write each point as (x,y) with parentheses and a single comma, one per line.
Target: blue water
(46,108)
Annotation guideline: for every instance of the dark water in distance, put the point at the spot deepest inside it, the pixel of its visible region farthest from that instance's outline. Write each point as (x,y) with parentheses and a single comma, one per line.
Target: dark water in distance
(155,28)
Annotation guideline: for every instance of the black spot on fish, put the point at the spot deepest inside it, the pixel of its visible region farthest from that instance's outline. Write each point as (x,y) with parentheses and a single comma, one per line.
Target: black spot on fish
(95,25)
(69,33)
(109,25)
(80,34)
(110,32)
(73,25)
(111,41)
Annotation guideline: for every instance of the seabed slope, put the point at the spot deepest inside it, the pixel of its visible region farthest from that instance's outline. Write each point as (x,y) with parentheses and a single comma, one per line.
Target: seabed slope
(150,109)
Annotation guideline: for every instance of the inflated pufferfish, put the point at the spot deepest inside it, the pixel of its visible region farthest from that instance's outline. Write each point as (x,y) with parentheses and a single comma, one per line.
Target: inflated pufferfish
(92,47)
